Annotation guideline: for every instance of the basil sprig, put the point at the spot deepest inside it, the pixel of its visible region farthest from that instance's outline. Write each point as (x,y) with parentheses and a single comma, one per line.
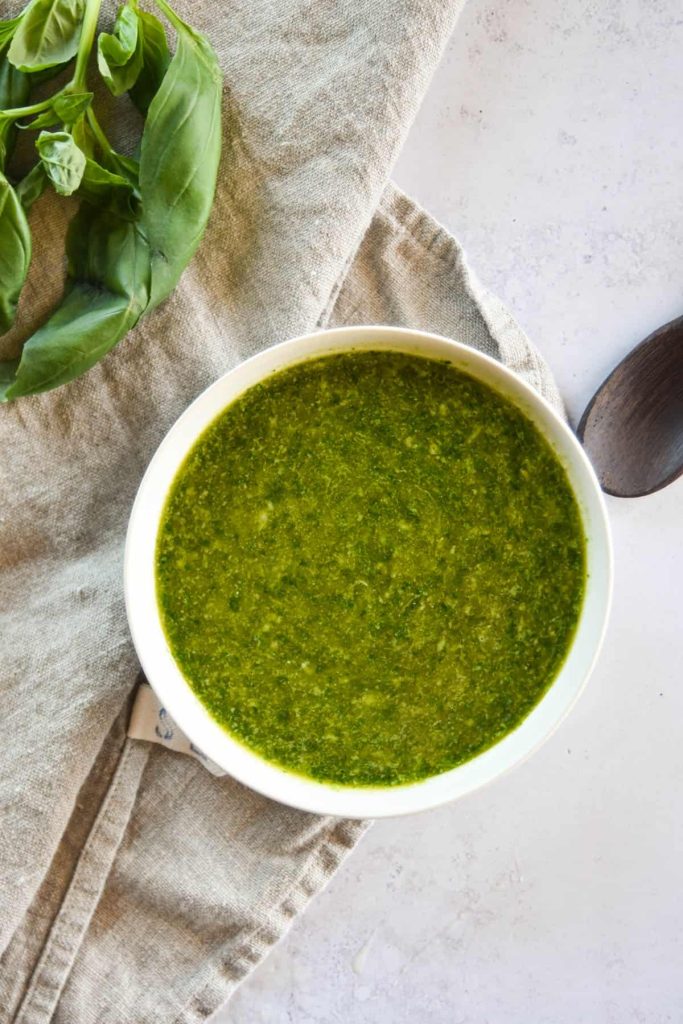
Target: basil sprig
(139,221)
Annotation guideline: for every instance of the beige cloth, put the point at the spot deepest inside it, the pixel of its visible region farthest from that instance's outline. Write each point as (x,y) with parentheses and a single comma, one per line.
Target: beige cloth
(135,887)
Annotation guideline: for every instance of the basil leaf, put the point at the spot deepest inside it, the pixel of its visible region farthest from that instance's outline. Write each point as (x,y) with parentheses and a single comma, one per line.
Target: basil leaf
(8,28)
(107,292)
(47,35)
(105,188)
(66,109)
(155,61)
(14,85)
(122,170)
(126,167)
(14,89)
(107,251)
(8,372)
(63,161)
(179,156)
(6,138)
(15,252)
(31,187)
(82,135)
(69,106)
(120,56)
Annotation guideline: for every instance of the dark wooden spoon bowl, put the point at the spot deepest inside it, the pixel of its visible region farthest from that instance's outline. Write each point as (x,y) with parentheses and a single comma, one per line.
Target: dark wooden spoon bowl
(632,429)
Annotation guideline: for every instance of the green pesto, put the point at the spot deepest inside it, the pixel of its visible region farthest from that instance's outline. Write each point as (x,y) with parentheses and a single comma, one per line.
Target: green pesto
(370,568)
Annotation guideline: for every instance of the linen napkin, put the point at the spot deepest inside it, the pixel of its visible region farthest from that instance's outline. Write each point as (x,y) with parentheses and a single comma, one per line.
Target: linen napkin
(135,886)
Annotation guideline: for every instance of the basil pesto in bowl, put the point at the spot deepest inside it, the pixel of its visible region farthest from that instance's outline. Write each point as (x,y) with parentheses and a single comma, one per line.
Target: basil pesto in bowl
(367,571)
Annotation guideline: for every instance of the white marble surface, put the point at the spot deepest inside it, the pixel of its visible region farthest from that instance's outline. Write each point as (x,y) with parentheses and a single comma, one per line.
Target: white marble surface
(550,143)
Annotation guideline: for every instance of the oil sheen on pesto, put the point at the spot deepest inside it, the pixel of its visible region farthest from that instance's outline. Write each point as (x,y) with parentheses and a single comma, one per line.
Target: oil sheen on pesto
(370,568)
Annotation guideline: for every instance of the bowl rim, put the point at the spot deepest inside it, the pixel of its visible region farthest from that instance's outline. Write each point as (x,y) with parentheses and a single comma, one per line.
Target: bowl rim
(228,752)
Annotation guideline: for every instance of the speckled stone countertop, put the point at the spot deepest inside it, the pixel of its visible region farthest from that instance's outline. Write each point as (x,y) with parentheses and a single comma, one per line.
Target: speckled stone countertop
(550,144)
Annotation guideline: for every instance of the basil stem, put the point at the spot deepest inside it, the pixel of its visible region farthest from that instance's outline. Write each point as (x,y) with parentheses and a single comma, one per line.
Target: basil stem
(85,44)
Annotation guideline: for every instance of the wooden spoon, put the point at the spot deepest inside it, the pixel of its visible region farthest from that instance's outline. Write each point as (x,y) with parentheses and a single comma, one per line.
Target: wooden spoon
(632,429)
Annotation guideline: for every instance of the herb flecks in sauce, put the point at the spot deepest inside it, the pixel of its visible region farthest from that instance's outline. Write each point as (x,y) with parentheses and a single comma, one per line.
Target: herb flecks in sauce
(370,568)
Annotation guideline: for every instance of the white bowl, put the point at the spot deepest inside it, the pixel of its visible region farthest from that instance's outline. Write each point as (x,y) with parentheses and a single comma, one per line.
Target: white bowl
(172,689)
